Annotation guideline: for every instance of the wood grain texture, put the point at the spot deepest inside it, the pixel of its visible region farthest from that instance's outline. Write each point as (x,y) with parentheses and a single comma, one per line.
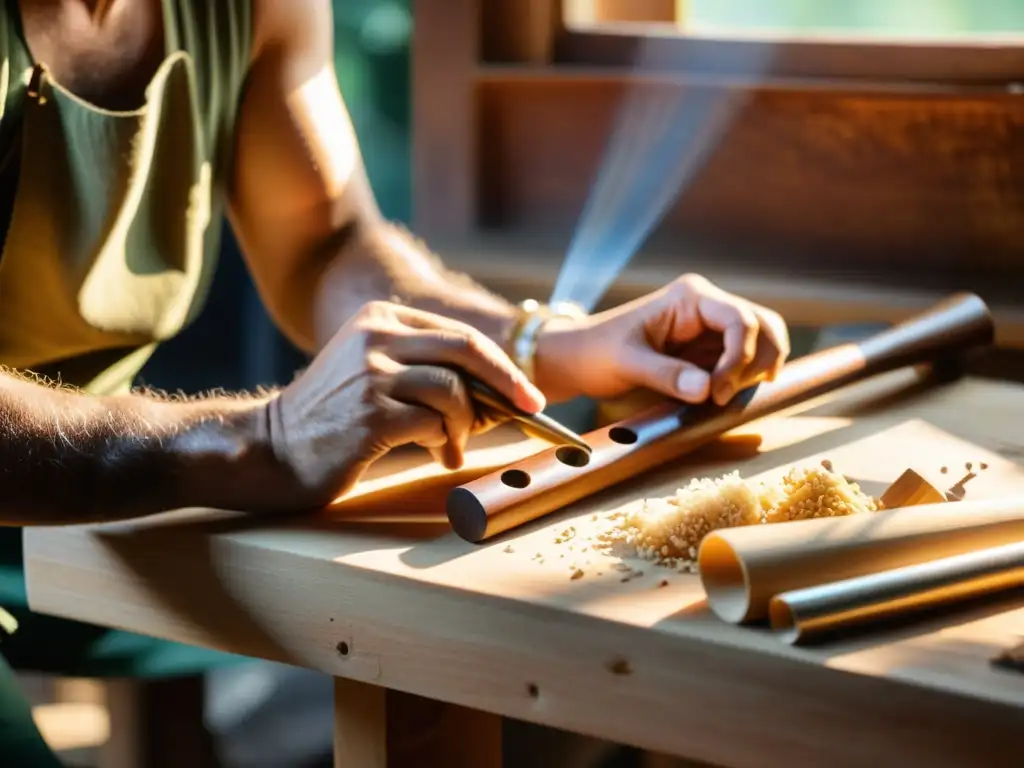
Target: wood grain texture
(424,612)
(543,483)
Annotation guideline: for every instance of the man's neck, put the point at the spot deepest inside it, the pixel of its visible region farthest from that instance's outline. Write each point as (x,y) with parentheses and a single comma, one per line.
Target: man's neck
(98,9)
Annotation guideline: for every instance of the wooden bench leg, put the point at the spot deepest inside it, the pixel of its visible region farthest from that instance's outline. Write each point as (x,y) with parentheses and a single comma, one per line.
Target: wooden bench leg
(157,724)
(378,728)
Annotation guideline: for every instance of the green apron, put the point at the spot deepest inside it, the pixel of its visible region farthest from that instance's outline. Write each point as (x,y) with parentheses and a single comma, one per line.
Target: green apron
(111,244)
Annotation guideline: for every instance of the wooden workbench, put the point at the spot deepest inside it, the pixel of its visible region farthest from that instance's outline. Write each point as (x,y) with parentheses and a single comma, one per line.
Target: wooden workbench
(501,629)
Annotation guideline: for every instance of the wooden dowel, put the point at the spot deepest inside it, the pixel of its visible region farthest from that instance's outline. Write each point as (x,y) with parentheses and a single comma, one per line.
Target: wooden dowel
(551,479)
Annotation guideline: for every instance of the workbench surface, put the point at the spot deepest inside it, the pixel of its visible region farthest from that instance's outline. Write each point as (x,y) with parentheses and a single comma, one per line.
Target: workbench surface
(403,604)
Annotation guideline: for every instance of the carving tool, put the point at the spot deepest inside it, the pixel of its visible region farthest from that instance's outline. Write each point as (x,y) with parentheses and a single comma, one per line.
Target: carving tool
(534,424)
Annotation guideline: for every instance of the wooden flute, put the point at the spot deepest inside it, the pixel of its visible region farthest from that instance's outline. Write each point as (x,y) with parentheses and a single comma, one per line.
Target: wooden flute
(551,479)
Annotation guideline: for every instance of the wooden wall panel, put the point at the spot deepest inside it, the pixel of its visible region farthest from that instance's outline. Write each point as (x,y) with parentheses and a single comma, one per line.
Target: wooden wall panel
(445,51)
(877,175)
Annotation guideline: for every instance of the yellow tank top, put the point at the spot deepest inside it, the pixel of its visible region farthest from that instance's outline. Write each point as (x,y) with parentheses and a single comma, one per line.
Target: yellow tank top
(115,217)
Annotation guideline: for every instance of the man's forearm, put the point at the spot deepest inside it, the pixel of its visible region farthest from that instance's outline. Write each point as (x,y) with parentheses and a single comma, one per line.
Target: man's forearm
(67,457)
(389,264)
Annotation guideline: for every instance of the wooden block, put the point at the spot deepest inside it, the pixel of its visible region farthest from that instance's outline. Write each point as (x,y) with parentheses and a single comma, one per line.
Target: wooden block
(911,489)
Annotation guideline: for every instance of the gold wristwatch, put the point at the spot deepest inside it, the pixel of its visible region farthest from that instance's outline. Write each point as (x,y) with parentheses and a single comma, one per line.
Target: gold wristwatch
(532,318)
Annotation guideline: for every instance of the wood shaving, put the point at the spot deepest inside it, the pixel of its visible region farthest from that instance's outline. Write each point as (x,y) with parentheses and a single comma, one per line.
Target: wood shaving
(816,492)
(669,530)
(566,535)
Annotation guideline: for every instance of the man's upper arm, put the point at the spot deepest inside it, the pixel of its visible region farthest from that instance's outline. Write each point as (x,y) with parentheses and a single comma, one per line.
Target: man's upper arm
(299,179)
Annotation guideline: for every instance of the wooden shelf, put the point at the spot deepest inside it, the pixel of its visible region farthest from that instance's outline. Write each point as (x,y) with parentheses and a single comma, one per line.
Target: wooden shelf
(496,73)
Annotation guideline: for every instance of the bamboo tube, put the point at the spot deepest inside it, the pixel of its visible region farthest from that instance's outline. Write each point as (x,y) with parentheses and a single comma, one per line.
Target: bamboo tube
(742,569)
(811,613)
(551,479)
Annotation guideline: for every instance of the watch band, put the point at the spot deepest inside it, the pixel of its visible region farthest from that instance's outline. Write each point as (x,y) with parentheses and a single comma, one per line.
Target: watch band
(533,316)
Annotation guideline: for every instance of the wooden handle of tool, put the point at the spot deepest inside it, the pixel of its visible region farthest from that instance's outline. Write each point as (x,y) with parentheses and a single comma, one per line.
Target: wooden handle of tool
(551,479)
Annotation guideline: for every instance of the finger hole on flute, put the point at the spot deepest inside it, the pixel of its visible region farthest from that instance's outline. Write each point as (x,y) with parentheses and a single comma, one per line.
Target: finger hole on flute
(572,456)
(622,435)
(515,478)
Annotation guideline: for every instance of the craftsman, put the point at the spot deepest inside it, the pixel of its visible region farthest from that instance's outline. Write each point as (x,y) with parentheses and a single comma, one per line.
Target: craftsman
(130,129)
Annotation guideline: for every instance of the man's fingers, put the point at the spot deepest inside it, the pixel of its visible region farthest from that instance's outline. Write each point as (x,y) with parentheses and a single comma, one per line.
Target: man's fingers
(410,423)
(668,375)
(739,327)
(443,392)
(471,344)
(471,352)
(773,345)
(771,351)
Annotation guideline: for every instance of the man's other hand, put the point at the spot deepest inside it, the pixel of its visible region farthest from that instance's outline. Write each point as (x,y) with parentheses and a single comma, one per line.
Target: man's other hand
(659,342)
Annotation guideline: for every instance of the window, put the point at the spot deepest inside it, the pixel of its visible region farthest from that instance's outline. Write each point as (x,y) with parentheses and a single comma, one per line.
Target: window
(889,18)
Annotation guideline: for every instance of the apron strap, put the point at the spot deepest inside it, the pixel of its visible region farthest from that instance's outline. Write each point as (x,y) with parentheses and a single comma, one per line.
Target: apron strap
(8,625)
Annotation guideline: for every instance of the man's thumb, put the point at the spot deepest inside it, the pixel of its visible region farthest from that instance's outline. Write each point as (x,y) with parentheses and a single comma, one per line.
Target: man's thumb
(669,375)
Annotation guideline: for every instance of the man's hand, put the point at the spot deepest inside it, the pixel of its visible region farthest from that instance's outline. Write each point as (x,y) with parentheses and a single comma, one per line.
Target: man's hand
(388,378)
(391,376)
(650,343)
